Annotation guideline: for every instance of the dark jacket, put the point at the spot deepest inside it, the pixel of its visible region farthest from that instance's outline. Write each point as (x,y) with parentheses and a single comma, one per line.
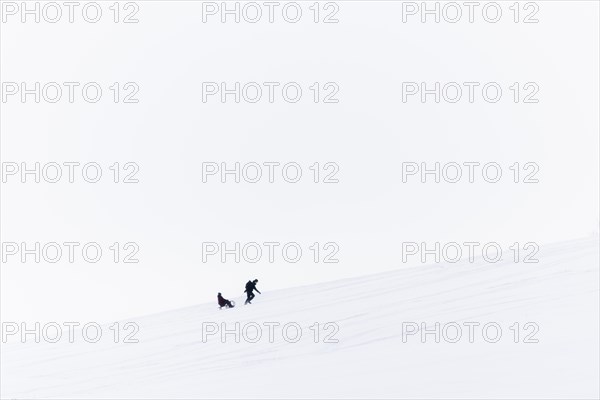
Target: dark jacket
(221,300)
(250,287)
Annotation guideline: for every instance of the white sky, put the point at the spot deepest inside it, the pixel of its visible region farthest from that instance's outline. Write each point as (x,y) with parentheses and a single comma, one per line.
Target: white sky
(369,133)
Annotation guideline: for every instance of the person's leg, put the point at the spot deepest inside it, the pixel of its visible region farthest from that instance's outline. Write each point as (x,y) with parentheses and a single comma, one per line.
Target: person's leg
(229,304)
(250,297)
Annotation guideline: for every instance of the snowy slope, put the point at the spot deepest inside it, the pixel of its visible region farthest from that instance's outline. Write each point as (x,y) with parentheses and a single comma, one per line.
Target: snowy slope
(171,360)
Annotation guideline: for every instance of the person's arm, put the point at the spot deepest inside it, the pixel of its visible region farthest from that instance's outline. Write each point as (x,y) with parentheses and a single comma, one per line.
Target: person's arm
(257,290)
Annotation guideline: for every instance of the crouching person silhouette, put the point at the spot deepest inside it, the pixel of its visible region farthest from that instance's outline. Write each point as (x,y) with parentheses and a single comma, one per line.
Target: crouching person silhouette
(224,302)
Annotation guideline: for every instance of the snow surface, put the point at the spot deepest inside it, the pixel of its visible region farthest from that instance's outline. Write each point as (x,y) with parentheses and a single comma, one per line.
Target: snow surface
(371,360)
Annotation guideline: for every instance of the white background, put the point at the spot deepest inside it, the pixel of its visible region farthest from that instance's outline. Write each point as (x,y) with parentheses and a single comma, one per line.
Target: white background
(369,133)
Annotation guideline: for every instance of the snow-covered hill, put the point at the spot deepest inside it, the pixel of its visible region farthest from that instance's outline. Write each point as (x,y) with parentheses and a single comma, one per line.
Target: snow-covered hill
(554,302)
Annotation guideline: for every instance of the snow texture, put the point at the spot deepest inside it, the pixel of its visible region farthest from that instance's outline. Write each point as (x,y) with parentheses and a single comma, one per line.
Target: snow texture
(370,359)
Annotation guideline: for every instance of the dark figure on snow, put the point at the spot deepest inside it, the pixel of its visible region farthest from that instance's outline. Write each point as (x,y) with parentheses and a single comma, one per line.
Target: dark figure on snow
(250,287)
(223,302)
